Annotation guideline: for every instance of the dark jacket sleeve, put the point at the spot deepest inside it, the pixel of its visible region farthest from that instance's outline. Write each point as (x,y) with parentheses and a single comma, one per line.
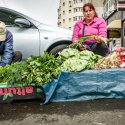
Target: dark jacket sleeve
(8,50)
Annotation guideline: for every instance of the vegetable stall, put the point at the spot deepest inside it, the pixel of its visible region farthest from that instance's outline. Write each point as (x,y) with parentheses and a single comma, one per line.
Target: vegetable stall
(73,75)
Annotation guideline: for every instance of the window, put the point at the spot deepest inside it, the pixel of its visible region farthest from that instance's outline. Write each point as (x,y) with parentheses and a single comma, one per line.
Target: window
(8,17)
(63,12)
(78,9)
(81,17)
(78,1)
(107,7)
(70,28)
(81,9)
(69,11)
(70,3)
(74,10)
(69,19)
(75,18)
(63,20)
(109,4)
(59,17)
(59,23)
(63,3)
(60,8)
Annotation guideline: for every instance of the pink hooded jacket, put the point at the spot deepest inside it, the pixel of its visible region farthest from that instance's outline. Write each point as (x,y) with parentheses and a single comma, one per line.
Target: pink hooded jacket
(96,27)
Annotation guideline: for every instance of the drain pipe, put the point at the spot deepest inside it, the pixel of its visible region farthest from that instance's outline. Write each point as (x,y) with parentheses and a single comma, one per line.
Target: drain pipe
(122,29)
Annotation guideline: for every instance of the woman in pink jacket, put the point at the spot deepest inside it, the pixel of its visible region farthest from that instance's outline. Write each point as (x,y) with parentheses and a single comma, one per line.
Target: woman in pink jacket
(91,25)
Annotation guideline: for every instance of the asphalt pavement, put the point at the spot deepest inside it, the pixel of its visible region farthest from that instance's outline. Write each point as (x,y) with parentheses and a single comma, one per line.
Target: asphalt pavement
(93,112)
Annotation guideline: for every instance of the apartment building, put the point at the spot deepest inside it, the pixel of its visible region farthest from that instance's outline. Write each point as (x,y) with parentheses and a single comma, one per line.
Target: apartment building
(70,11)
(115,21)
(110,10)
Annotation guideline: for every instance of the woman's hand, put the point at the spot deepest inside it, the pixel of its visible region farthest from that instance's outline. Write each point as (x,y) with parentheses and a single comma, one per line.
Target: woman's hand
(100,39)
(81,47)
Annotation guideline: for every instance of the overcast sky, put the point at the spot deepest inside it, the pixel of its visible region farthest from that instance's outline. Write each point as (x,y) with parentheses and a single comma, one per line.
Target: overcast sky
(43,10)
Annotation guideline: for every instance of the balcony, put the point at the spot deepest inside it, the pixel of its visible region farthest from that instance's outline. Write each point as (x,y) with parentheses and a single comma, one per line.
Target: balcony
(110,11)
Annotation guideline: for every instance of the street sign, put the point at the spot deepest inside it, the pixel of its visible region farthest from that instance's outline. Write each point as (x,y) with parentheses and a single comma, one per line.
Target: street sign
(121,6)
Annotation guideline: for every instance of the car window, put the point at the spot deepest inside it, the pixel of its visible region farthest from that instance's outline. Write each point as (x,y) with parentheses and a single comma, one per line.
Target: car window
(8,17)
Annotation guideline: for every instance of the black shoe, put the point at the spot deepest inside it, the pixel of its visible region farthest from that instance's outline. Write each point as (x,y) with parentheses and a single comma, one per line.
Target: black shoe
(17,56)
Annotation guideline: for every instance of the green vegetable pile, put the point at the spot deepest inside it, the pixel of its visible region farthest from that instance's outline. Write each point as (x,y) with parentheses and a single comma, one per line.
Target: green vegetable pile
(77,60)
(12,74)
(39,70)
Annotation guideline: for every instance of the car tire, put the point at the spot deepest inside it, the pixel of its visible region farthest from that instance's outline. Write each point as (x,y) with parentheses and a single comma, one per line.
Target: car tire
(58,49)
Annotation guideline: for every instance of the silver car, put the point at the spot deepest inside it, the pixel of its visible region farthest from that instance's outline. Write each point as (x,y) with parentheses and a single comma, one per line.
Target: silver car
(32,37)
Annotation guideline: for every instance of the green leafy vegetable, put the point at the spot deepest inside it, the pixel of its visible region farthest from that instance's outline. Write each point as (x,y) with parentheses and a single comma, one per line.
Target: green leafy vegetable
(80,40)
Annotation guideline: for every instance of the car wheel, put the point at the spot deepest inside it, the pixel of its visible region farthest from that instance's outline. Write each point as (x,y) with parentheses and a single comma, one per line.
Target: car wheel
(58,49)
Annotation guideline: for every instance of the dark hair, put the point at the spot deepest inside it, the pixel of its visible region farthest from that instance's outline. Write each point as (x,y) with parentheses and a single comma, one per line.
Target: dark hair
(91,6)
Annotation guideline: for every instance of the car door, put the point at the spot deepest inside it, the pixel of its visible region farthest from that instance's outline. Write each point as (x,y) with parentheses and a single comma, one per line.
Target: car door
(26,39)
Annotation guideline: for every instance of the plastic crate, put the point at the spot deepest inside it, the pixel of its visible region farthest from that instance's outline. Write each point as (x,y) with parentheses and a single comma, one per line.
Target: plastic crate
(9,94)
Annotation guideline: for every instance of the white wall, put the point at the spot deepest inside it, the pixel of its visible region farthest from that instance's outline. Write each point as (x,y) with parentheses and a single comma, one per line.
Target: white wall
(43,10)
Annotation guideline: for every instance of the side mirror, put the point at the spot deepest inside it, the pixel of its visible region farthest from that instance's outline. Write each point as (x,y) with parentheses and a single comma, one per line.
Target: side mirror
(21,22)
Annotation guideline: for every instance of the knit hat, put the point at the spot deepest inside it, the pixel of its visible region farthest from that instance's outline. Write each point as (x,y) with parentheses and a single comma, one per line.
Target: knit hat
(2,31)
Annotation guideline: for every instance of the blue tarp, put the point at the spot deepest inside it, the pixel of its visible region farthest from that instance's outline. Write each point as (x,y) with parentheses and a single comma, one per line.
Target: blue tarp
(86,85)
